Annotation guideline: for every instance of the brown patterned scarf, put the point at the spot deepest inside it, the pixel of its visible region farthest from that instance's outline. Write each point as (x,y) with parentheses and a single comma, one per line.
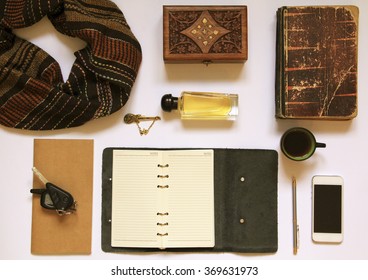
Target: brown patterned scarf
(33,94)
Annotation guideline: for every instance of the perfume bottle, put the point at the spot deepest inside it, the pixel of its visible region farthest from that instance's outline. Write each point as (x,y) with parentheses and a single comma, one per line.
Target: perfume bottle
(202,105)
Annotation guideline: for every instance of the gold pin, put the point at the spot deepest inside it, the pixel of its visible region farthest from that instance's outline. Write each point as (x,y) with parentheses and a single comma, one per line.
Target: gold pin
(132,118)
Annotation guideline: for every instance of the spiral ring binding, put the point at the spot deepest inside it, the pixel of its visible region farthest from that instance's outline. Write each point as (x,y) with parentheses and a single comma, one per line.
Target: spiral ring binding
(163,187)
(162,214)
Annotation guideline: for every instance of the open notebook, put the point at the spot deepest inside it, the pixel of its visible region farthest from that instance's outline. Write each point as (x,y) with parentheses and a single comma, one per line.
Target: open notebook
(162,198)
(216,200)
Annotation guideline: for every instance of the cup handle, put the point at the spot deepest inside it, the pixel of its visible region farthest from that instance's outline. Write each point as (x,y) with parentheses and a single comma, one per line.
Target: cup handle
(320,145)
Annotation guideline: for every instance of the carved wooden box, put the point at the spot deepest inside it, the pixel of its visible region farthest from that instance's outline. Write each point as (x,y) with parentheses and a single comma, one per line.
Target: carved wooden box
(205,34)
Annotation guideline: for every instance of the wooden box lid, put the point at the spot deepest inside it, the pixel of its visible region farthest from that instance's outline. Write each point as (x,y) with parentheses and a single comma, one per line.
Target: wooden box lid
(205,34)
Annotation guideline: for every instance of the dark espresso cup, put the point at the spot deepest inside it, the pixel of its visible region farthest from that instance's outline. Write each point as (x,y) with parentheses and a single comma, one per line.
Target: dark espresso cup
(299,144)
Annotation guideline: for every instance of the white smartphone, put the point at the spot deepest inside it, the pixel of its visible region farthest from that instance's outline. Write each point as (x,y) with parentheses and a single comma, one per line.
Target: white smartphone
(327,209)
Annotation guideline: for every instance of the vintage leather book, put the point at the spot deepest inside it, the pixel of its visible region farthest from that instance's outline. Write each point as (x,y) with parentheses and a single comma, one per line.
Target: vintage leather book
(316,62)
(205,34)
(244,202)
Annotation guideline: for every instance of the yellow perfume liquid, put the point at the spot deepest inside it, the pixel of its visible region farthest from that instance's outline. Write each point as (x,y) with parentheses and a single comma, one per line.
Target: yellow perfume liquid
(202,105)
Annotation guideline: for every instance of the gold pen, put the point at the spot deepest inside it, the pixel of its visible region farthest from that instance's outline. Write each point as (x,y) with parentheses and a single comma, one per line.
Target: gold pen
(295,221)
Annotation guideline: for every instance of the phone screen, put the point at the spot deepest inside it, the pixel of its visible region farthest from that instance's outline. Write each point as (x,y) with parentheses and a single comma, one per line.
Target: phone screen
(327,208)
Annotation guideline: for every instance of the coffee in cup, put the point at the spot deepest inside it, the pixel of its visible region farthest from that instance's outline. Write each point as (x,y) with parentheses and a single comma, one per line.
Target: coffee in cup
(299,144)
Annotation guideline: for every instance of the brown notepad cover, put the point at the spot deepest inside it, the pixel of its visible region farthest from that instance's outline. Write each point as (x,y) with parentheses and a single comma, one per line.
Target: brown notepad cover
(69,165)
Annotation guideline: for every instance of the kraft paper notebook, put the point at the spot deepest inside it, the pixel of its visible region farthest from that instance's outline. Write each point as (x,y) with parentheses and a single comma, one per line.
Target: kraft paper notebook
(69,165)
(210,200)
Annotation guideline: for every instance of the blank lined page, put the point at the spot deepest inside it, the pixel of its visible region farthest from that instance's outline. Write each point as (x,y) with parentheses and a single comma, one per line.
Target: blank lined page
(191,198)
(163,199)
(134,198)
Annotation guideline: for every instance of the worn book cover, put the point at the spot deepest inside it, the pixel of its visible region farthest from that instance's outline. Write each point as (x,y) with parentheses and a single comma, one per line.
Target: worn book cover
(316,62)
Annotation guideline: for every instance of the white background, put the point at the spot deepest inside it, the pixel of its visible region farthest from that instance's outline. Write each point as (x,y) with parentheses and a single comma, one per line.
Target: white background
(346,153)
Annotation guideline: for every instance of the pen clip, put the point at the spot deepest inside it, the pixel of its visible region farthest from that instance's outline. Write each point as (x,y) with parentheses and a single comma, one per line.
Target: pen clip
(297,237)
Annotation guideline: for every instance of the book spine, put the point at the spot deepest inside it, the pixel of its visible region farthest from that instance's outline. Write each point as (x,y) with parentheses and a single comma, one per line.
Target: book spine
(279,89)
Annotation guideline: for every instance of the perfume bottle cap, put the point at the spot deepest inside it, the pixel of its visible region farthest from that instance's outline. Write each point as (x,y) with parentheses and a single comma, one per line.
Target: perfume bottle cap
(168,103)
